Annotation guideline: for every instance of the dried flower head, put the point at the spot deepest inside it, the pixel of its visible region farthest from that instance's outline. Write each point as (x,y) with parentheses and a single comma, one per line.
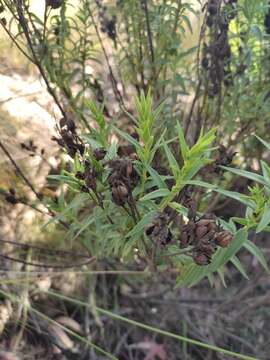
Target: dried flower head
(159,231)
(223,238)
(54,4)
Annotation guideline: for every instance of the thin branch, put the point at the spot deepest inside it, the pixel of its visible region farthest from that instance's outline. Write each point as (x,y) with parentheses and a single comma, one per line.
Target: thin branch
(46,250)
(113,80)
(149,34)
(47,265)
(19,171)
(36,61)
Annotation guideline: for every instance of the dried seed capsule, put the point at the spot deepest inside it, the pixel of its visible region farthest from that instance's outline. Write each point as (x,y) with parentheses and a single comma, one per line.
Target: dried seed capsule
(213,9)
(12,191)
(90,179)
(200,231)
(11,199)
(55,4)
(208,249)
(120,194)
(205,62)
(129,168)
(211,226)
(79,175)
(223,238)
(3,21)
(68,123)
(203,222)
(201,259)
(99,154)
(84,189)
(184,240)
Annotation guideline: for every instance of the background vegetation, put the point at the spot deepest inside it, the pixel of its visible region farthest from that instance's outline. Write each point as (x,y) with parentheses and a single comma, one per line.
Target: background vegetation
(137,206)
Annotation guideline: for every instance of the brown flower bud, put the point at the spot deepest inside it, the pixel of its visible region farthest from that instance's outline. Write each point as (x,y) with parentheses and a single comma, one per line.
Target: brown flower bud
(223,238)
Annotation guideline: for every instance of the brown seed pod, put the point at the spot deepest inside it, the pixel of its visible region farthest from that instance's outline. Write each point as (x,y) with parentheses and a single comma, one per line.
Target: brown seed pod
(223,238)
(55,4)
(120,194)
(90,178)
(184,240)
(205,62)
(213,9)
(158,231)
(200,231)
(201,259)
(203,222)
(10,198)
(99,154)
(68,123)
(129,168)
(79,175)
(207,249)
(212,226)
(3,21)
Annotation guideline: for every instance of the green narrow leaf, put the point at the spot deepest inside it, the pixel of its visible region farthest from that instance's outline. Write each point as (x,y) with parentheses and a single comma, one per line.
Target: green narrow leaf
(179,208)
(221,274)
(231,194)
(183,145)
(266,144)
(211,279)
(84,225)
(127,137)
(139,228)
(157,178)
(255,251)
(156,194)
(203,143)
(266,171)
(236,262)
(247,174)
(265,220)
(75,203)
(172,161)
